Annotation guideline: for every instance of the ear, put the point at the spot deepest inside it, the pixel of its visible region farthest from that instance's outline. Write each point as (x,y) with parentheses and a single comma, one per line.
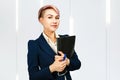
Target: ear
(41,20)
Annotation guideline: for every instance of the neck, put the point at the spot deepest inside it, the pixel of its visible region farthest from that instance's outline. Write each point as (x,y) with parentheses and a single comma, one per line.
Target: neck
(51,35)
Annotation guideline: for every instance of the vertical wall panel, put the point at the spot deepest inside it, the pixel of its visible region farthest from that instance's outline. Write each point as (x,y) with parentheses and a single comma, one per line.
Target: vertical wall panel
(7,40)
(28,29)
(114,31)
(89,24)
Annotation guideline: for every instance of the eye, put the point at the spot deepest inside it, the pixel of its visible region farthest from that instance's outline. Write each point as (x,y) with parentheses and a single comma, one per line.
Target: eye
(49,17)
(57,17)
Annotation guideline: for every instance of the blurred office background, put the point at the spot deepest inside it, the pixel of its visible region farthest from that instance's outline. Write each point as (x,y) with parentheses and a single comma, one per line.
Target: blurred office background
(96,24)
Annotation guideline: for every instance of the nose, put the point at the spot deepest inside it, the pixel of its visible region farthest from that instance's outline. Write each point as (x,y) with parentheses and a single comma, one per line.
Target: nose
(55,21)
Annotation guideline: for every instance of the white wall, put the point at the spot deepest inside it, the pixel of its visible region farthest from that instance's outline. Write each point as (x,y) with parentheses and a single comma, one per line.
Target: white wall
(97,43)
(114,40)
(7,40)
(91,39)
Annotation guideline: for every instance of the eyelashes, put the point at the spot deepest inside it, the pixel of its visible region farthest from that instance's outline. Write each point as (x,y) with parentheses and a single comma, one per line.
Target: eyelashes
(50,17)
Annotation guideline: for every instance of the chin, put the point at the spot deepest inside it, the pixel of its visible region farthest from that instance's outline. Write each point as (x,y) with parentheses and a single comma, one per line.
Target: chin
(53,30)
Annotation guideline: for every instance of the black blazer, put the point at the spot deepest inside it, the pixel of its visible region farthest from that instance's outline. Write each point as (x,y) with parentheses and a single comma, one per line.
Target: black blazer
(40,56)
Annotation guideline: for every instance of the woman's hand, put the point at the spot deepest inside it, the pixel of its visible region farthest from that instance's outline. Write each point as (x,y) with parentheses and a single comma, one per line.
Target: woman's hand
(59,64)
(66,59)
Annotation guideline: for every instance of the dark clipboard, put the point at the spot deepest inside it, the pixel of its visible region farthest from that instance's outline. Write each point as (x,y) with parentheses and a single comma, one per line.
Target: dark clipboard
(66,45)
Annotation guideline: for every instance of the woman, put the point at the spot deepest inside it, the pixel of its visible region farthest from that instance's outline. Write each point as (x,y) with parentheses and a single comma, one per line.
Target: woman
(43,61)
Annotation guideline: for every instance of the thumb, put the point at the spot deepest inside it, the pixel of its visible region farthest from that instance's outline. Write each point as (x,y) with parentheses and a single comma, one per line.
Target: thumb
(61,53)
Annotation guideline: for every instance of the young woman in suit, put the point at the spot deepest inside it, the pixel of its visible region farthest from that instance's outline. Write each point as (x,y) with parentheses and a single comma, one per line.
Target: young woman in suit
(42,58)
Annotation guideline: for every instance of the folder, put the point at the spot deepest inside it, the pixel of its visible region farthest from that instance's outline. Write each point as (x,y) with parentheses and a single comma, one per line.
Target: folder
(66,45)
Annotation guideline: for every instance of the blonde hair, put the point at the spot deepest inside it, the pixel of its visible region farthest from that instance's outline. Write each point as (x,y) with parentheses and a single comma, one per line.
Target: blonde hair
(42,10)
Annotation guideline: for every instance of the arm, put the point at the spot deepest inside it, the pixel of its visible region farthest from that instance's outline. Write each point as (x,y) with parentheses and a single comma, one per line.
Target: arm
(74,63)
(35,73)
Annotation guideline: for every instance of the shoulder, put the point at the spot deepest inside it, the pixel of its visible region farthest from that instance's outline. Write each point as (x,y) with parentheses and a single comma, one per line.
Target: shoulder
(32,44)
(34,41)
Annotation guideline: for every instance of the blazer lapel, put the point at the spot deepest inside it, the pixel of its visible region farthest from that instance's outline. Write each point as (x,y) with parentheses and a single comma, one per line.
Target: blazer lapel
(45,46)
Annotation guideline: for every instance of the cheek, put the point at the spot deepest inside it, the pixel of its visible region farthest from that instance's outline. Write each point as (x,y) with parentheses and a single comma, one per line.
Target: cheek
(58,21)
(46,23)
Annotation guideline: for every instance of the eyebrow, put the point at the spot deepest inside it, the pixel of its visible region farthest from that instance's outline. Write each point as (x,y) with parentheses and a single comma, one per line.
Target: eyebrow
(51,15)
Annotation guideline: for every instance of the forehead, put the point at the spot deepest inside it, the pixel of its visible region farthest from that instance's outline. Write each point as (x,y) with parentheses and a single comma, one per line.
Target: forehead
(50,12)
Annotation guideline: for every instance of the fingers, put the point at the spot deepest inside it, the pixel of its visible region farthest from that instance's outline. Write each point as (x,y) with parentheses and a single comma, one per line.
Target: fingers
(62,66)
(58,58)
(61,53)
(57,66)
(67,61)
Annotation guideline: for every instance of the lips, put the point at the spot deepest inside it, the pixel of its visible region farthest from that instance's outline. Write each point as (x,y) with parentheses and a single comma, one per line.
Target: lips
(54,26)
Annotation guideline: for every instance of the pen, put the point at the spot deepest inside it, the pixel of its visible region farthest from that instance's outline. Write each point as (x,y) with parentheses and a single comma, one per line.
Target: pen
(64,57)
